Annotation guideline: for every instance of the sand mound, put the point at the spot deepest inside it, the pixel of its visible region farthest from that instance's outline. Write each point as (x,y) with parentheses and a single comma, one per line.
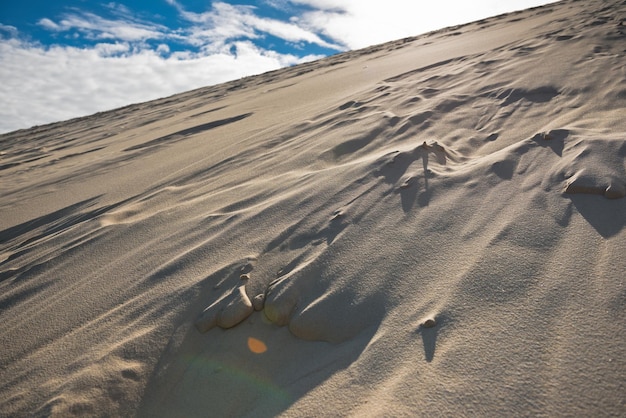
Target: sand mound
(433,224)
(595,166)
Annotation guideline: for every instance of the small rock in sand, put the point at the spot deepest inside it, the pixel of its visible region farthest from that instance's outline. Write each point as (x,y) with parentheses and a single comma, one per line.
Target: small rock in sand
(615,191)
(429,323)
(258,302)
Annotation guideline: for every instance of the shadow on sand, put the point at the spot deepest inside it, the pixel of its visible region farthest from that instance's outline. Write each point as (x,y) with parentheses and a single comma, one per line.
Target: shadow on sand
(253,369)
(606,216)
(180,135)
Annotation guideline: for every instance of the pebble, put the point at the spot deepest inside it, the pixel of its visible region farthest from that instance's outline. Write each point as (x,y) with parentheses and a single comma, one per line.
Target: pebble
(258,302)
(429,323)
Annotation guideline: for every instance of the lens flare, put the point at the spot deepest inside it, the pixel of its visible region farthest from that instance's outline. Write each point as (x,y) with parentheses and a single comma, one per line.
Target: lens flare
(256,346)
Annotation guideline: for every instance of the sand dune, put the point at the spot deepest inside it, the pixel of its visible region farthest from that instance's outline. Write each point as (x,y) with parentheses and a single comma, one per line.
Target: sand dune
(428,227)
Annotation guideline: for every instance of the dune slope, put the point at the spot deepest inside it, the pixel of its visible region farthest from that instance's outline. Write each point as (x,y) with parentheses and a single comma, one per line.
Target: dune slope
(433,226)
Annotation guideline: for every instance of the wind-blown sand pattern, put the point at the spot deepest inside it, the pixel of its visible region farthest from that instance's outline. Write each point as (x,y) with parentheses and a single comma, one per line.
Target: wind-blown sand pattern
(433,226)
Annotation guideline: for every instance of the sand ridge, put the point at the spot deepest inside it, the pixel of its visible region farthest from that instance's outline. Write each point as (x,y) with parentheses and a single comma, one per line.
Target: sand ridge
(433,224)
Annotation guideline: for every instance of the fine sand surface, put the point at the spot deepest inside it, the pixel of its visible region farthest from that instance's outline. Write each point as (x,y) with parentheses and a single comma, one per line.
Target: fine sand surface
(429,227)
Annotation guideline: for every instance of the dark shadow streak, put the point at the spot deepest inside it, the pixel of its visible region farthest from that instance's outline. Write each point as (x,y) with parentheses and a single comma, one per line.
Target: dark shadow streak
(44,226)
(425,164)
(47,220)
(408,196)
(421,69)
(606,216)
(429,338)
(398,166)
(555,140)
(9,299)
(538,95)
(180,135)
(424,198)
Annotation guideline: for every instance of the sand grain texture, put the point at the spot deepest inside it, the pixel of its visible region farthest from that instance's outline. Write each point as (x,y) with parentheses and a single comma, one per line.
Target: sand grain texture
(433,226)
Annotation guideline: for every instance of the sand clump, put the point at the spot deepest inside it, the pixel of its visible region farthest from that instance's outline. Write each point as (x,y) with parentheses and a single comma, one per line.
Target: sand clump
(593,163)
(226,312)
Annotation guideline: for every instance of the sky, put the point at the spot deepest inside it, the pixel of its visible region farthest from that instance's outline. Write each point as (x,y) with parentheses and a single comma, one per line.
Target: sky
(64,59)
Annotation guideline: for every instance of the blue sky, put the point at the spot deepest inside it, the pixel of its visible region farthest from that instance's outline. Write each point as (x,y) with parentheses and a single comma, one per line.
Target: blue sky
(62,59)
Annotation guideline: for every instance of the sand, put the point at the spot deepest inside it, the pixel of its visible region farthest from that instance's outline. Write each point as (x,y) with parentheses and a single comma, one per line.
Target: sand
(428,227)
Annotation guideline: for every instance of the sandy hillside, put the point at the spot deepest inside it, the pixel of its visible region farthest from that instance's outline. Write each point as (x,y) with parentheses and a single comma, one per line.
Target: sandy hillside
(429,227)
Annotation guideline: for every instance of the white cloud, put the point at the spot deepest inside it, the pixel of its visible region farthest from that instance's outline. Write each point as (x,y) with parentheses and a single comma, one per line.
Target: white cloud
(358,23)
(227,22)
(95,27)
(49,24)
(42,85)
(110,50)
(163,49)
(288,31)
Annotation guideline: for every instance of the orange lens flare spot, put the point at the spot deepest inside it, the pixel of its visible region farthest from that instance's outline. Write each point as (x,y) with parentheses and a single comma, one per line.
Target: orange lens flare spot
(256,346)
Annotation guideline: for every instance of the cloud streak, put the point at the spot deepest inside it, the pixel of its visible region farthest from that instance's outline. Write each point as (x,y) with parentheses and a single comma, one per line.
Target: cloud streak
(96,27)
(226,22)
